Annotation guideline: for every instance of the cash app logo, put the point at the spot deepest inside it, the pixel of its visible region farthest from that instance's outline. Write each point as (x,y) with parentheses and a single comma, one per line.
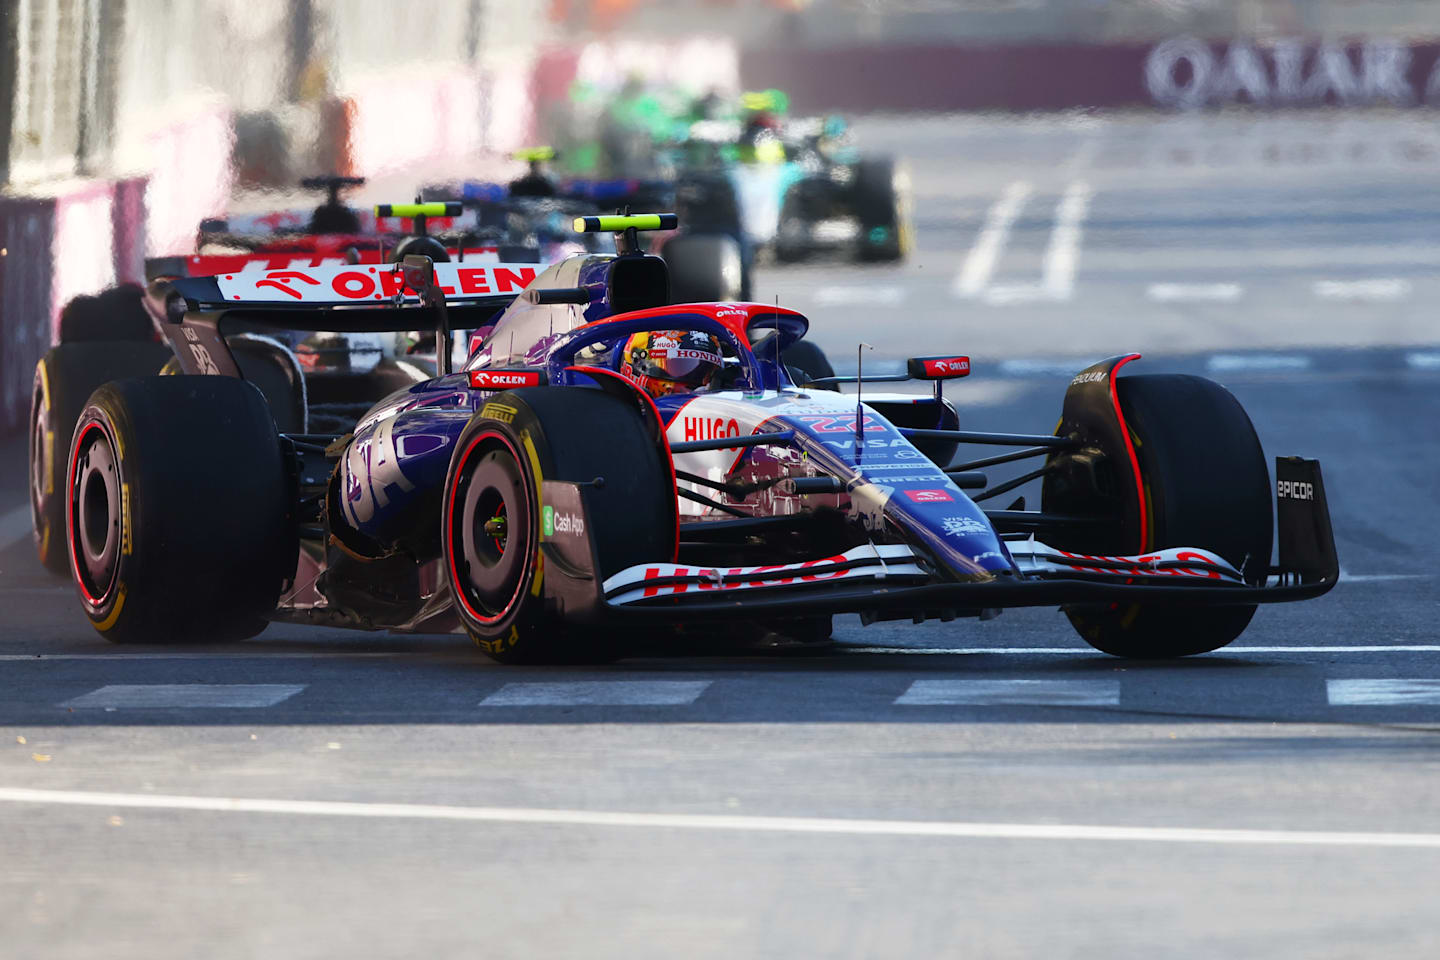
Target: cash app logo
(548,520)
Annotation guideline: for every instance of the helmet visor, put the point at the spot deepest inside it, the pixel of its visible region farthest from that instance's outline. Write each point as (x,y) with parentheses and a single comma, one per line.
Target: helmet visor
(683,364)
(690,359)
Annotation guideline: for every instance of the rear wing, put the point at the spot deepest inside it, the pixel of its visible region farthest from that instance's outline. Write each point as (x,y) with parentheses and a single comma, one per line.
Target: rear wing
(196,313)
(351,285)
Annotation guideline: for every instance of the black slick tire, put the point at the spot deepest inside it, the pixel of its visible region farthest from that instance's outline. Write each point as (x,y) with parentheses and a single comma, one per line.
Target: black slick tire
(64,379)
(1207,485)
(491,514)
(180,510)
(881,208)
(704,268)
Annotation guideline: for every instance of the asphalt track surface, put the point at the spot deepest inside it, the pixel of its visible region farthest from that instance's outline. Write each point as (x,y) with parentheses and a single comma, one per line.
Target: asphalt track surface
(967,789)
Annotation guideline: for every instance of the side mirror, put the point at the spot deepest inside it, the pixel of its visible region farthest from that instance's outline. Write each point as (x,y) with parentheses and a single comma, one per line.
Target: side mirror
(419,271)
(938,368)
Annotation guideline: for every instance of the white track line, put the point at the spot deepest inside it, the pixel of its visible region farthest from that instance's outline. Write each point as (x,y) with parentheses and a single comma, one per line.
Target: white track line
(591,693)
(1423,361)
(1194,292)
(1257,361)
(1030,368)
(860,296)
(722,822)
(15,526)
(1046,693)
(980,262)
(1383,693)
(1089,652)
(1379,290)
(1346,577)
(163,696)
(1062,256)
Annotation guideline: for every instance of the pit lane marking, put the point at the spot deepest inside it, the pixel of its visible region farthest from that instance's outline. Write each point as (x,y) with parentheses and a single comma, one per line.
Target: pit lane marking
(728,823)
(1062,255)
(1383,693)
(980,262)
(881,296)
(1347,577)
(979,693)
(598,693)
(146,696)
(1224,362)
(1376,290)
(1194,292)
(1423,361)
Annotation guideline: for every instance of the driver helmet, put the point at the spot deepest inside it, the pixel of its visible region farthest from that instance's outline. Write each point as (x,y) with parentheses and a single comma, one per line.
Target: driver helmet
(662,362)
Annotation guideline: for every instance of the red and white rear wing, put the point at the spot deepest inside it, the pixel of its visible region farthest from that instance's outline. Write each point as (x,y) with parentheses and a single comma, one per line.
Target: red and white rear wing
(868,562)
(357,284)
(210,264)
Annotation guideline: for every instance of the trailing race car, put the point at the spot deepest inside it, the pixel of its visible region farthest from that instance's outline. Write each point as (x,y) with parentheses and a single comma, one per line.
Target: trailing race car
(319,382)
(609,465)
(708,260)
(792,187)
(800,186)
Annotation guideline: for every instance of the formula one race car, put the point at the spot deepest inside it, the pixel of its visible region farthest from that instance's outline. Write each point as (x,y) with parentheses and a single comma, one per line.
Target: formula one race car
(610,465)
(791,187)
(708,260)
(795,187)
(313,381)
(803,189)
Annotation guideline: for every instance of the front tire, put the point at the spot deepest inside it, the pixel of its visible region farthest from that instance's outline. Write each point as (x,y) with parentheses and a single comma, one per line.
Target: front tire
(492,515)
(180,513)
(1207,486)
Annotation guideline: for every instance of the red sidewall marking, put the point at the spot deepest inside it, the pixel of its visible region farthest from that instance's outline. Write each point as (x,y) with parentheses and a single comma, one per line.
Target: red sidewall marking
(450,530)
(1130,449)
(70,512)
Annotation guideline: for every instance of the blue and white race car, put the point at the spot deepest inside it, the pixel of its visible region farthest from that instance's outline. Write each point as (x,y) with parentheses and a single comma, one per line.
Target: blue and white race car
(553,504)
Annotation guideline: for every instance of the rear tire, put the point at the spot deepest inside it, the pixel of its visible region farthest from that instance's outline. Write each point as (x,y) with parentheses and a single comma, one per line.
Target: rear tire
(180,511)
(704,268)
(1208,486)
(498,471)
(881,206)
(64,379)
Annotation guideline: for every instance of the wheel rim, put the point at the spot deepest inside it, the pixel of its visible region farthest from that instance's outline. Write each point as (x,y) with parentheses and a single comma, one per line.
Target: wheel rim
(493,558)
(95,513)
(39,462)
